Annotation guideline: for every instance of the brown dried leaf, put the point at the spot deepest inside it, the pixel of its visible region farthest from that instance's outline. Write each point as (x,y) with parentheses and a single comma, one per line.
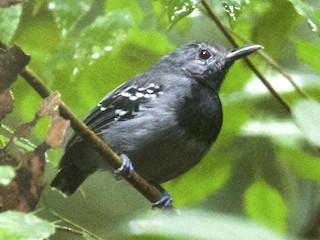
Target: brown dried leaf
(8,3)
(6,103)
(24,129)
(10,198)
(12,62)
(23,192)
(49,105)
(57,130)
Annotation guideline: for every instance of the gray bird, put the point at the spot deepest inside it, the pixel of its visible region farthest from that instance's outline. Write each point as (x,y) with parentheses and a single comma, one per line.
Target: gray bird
(161,122)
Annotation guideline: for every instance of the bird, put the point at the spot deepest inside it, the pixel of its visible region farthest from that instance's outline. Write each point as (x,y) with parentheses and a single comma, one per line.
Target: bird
(161,122)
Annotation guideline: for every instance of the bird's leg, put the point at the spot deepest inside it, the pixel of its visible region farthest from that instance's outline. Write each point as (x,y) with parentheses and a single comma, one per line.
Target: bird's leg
(165,202)
(125,169)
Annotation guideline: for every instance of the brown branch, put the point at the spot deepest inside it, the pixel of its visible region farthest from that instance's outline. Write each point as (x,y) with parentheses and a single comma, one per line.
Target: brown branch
(144,187)
(224,30)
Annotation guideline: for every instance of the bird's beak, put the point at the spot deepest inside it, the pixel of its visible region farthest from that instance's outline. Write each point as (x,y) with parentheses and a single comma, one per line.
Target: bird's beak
(242,52)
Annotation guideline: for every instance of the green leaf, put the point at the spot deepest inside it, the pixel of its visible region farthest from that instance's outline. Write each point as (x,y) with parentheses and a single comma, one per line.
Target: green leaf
(32,28)
(265,205)
(37,4)
(305,165)
(306,114)
(3,141)
(103,34)
(132,5)
(308,12)
(234,8)
(67,14)
(267,30)
(25,225)
(7,173)
(9,22)
(5,234)
(195,224)
(307,52)
(94,41)
(178,9)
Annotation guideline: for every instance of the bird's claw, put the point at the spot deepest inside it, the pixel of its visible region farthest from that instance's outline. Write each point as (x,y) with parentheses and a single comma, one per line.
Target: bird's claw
(165,202)
(125,169)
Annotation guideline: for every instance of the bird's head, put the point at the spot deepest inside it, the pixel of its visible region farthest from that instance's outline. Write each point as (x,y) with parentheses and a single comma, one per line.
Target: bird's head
(205,62)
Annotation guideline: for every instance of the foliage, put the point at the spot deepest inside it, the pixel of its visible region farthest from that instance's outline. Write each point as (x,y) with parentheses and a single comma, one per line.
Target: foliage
(265,161)
(15,225)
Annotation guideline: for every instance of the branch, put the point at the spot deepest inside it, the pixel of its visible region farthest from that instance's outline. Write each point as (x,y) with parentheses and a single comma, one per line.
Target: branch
(144,187)
(249,63)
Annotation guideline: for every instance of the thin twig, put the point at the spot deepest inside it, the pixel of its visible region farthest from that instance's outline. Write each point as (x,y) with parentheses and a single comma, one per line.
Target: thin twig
(82,230)
(273,64)
(144,187)
(69,229)
(249,63)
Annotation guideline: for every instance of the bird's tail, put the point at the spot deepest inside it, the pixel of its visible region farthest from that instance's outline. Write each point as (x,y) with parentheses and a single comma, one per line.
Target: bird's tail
(68,180)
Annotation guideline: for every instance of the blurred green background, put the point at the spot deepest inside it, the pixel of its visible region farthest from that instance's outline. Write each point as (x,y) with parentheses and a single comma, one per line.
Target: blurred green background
(265,165)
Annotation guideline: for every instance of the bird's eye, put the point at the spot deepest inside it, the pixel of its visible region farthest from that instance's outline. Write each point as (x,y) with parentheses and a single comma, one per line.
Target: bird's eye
(204,54)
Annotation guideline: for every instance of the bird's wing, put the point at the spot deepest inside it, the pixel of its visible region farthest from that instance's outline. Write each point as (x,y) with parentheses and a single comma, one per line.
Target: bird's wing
(120,105)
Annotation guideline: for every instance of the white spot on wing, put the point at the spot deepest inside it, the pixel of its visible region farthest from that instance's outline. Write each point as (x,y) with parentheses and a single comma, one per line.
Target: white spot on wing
(118,111)
(133,98)
(122,113)
(150,91)
(126,94)
(139,94)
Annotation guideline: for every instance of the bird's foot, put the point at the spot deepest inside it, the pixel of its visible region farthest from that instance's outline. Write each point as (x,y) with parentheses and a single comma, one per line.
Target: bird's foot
(165,202)
(125,169)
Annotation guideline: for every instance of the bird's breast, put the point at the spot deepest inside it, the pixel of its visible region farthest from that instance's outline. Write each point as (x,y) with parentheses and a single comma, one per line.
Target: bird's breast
(200,114)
